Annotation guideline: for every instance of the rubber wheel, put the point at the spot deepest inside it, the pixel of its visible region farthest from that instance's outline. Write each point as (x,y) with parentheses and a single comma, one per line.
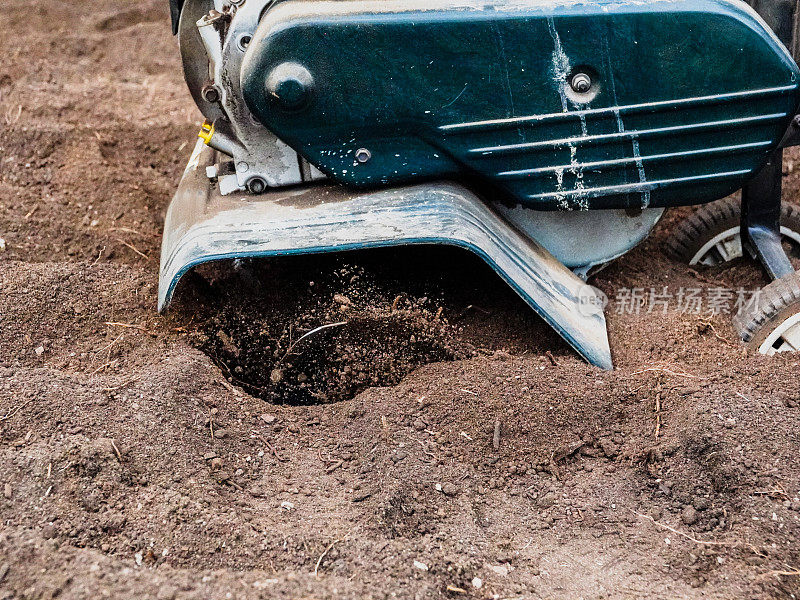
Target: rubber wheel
(711,237)
(771,322)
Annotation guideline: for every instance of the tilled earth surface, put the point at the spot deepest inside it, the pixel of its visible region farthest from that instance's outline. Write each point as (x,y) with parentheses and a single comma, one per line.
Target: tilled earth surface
(435,441)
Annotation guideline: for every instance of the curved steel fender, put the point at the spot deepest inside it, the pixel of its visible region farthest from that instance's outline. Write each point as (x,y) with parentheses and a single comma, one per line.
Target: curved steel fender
(202,226)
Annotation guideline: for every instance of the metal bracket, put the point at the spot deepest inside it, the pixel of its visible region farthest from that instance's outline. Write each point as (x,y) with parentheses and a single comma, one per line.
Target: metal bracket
(202,225)
(761,214)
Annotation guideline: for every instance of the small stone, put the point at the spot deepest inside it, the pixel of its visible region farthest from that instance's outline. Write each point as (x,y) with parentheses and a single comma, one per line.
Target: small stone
(449,489)
(2,245)
(477,583)
(268,418)
(689,515)
(701,503)
(221,433)
(341,299)
(286,505)
(730,423)
(302,378)
(39,350)
(209,455)
(398,456)
(419,425)
(501,570)
(222,476)
(610,449)
(7,491)
(276,376)
(49,531)
(420,565)
(166,592)
(216,464)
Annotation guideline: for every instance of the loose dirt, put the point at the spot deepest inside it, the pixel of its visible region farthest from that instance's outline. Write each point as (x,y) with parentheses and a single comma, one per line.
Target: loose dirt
(218,453)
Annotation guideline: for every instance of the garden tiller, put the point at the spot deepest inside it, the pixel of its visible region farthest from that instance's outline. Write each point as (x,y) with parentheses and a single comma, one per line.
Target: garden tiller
(546,136)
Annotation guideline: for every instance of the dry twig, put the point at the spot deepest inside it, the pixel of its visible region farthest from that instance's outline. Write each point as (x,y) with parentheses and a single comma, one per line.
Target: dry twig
(657,404)
(116,451)
(667,371)
(308,335)
(272,449)
(13,411)
(691,538)
(321,556)
(134,248)
(496,436)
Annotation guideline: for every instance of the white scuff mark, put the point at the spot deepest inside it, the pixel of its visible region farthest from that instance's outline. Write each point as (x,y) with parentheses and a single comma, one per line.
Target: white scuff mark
(512,111)
(642,177)
(637,156)
(584,129)
(577,169)
(454,100)
(563,203)
(561,70)
(560,64)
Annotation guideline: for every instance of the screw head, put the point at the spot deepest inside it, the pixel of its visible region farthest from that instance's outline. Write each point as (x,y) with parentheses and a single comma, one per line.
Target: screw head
(243,42)
(256,185)
(363,155)
(580,83)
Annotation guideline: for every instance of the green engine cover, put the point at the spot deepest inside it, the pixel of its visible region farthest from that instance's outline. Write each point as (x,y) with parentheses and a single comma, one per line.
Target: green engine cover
(553,105)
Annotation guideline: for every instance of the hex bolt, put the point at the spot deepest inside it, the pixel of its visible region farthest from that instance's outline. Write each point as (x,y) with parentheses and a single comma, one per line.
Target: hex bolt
(580,83)
(256,185)
(363,155)
(210,93)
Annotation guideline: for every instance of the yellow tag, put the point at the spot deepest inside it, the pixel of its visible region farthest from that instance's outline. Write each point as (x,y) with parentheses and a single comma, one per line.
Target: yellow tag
(206,132)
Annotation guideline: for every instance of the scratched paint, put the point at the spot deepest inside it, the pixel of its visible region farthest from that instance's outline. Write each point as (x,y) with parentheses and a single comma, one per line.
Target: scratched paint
(637,155)
(561,71)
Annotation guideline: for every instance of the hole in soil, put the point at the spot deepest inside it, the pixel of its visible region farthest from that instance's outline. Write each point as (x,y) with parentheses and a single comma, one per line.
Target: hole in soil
(300,330)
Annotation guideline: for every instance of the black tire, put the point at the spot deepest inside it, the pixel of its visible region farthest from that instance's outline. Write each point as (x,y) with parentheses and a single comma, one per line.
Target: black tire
(777,305)
(712,220)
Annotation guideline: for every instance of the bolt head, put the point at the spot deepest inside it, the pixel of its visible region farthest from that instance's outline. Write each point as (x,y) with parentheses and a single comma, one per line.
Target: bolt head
(363,155)
(580,83)
(256,185)
(290,85)
(210,93)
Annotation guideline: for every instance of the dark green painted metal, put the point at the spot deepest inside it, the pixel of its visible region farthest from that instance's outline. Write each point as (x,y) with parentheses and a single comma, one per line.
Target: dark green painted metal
(690,97)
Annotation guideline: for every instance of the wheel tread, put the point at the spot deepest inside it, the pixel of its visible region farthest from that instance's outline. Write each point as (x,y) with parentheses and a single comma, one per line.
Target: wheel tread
(780,295)
(709,220)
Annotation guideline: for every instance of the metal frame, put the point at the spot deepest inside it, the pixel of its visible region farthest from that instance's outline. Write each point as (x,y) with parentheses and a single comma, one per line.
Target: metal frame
(761,197)
(761,212)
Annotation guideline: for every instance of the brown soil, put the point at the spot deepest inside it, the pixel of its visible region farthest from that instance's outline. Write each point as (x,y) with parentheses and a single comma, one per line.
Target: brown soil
(131,467)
